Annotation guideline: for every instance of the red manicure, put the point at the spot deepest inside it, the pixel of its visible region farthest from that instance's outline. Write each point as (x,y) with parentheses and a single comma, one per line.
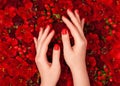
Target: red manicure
(49,25)
(69,9)
(77,11)
(52,30)
(64,31)
(56,47)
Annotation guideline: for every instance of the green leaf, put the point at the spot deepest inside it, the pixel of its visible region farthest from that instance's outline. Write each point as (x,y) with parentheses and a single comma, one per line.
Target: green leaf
(57,16)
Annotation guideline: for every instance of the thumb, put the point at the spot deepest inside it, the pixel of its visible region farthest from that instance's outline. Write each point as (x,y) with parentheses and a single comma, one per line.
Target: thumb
(35,41)
(66,40)
(56,55)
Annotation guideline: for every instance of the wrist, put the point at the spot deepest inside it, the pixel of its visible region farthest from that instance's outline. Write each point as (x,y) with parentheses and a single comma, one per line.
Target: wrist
(80,75)
(47,84)
(80,66)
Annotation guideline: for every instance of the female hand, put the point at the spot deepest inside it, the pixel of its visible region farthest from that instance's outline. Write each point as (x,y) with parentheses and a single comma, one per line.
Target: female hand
(49,72)
(75,55)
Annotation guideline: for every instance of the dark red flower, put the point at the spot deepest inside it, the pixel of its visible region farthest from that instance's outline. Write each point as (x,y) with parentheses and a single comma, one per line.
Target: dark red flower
(20,20)
(91,62)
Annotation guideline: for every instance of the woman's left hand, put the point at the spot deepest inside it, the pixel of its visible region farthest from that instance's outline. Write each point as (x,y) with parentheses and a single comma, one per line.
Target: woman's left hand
(49,72)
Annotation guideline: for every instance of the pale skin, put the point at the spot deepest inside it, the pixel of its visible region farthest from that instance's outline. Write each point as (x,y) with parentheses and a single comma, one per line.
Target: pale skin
(74,55)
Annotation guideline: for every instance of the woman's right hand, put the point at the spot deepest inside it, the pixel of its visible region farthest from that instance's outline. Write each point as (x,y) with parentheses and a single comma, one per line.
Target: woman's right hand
(75,55)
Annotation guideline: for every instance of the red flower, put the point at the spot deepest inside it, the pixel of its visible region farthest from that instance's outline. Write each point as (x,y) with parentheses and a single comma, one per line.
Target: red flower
(2,2)
(28,5)
(5,19)
(25,13)
(11,11)
(92,62)
(93,43)
(20,20)
(23,33)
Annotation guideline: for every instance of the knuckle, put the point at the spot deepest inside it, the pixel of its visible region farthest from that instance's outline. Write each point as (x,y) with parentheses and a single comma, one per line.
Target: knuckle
(83,43)
(38,60)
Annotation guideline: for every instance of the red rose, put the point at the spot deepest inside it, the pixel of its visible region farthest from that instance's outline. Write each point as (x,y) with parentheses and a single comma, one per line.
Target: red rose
(23,33)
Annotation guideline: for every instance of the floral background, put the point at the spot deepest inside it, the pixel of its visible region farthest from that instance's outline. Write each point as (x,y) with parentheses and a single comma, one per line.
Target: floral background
(20,21)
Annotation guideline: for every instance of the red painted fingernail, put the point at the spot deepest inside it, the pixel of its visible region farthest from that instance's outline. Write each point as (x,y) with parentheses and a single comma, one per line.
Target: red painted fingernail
(69,9)
(52,30)
(77,10)
(64,31)
(63,16)
(49,25)
(56,47)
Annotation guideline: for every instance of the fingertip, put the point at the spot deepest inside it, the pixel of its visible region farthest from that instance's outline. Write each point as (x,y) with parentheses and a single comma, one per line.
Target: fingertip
(41,28)
(83,19)
(52,31)
(83,22)
(56,53)
(48,27)
(63,17)
(34,39)
(64,31)
(56,47)
(77,11)
(69,10)
(65,39)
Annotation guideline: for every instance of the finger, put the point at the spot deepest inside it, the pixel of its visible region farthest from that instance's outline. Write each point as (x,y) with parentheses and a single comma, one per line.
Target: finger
(46,43)
(77,37)
(66,40)
(44,49)
(82,23)
(43,37)
(56,56)
(73,18)
(75,22)
(35,41)
(42,63)
(45,33)
(78,18)
(77,15)
(40,33)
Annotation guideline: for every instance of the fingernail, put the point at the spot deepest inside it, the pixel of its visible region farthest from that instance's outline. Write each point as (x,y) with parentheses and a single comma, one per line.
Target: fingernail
(84,19)
(69,9)
(40,28)
(49,25)
(63,16)
(77,10)
(52,30)
(64,31)
(56,47)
